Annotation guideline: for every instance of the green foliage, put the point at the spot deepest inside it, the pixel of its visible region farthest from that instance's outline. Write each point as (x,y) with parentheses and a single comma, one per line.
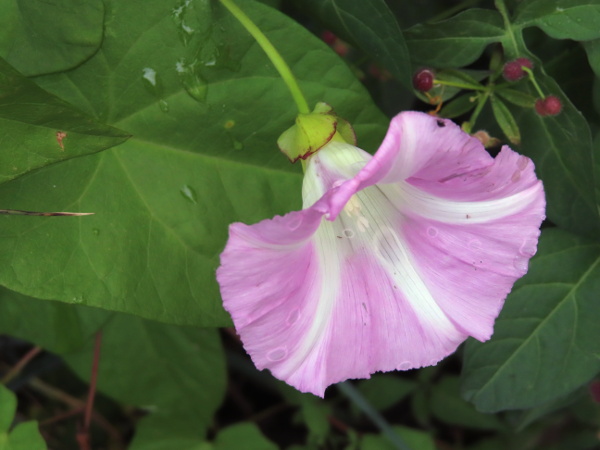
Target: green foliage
(43,37)
(162,118)
(369,25)
(545,342)
(24,436)
(184,175)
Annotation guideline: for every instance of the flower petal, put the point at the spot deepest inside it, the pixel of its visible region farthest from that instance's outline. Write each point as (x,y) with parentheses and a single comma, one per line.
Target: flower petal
(423,243)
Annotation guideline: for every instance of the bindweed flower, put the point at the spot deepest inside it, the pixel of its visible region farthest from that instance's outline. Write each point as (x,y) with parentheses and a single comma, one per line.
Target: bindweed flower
(394,261)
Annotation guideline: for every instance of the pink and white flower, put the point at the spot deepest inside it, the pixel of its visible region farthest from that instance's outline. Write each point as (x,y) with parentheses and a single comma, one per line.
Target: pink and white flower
(394,261)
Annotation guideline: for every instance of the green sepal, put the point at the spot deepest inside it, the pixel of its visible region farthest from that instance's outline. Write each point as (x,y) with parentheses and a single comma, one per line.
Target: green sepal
(313,131)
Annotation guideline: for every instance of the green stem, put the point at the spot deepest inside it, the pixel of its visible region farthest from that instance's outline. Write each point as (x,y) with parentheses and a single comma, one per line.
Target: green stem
(272,53)
(356,397)
(500,6)
(529,72)
(459,85)
(471,123)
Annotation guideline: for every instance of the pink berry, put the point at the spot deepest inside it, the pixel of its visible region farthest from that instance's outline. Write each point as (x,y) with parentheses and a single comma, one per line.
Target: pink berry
(540,107)
(423,80)
(553,105)
(548,106)
(513,70)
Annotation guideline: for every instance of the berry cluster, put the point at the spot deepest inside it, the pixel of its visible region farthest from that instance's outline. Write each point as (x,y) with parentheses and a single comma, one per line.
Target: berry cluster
(549,105)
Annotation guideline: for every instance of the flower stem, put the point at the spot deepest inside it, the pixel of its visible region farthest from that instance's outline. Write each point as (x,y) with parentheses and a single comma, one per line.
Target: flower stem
(468,126)
(356,397)
(532,79)
(281,66)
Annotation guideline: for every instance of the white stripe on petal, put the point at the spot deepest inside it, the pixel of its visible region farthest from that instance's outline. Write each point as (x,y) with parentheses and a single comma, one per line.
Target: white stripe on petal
(391,250)
(415,201)
(323,294)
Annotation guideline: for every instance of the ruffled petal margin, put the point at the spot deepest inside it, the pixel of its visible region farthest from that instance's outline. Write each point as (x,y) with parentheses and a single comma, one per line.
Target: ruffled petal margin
(422,244)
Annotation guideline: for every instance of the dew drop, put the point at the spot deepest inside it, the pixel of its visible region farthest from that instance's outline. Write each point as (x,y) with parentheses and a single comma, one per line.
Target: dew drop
(293,317)
(432,231)
(528,248)
(163,105)
(96,231)
(520,264)
(149,77)
(348,233)
(294,223)
(522,162)
(405,365)
(237,145)
(278,354)
(189,194)
(78,299)
(475,244)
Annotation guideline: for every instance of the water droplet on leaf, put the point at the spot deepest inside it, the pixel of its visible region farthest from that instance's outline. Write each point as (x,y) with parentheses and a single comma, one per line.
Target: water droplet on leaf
(189,194)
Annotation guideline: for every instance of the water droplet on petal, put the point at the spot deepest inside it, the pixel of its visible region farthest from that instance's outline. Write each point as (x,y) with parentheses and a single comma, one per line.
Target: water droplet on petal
(432,231)
(189,194)
(405,365)
(278,354)
(294,223)
(522,162)
(528,247)
(475,244)
(348,233)
(520,264)
(293,317)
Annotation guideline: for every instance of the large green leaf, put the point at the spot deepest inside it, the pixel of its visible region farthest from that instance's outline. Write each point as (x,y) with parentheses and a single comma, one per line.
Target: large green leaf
(203,155)
(49,36)
(561,19)
(173,372)
(561,147)
(455,42)
(546,341)
(176,373)
(371,26)
(24,436)
(58,327)
(39,129)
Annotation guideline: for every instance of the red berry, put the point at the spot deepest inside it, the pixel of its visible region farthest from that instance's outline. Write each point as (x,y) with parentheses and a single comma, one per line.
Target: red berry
(328,37)
(548,106)
(553,105)
(513,70)
(423,80)
(540,107)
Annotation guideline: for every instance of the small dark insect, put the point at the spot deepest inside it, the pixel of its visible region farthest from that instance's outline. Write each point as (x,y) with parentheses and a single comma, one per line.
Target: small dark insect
(441,124)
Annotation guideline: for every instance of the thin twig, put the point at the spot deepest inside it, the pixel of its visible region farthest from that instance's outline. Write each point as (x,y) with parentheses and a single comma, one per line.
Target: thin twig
(19,212)
(17,368)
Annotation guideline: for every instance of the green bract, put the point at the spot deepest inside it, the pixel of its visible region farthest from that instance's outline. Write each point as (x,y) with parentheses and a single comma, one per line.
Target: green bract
(312,131)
